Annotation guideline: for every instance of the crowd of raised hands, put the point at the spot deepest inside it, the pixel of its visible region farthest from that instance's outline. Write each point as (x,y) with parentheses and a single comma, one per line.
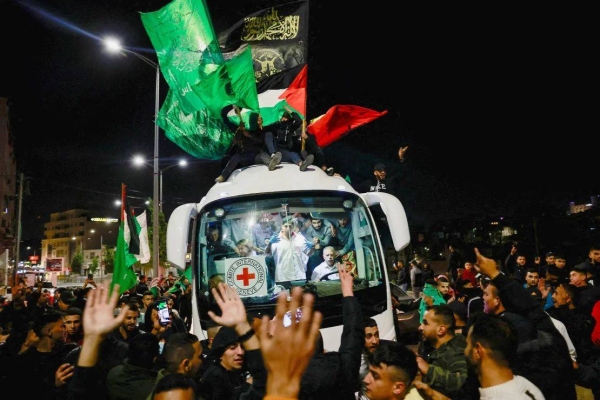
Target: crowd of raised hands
(286,350)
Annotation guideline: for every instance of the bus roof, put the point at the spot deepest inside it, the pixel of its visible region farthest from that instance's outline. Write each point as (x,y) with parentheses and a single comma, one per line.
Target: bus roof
(287,177)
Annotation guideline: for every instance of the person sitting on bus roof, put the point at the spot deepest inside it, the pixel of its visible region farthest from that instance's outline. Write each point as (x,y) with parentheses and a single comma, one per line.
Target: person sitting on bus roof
(249,144)
(279,138)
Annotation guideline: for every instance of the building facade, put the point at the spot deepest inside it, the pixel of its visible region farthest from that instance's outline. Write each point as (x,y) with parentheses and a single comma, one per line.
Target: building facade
(8,184)
(76,231)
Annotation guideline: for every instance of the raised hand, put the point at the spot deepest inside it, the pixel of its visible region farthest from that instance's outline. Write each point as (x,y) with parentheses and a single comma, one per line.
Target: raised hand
(233,311)
(288,351)
(346,279)
(98,314)
(486,266)
(401,152)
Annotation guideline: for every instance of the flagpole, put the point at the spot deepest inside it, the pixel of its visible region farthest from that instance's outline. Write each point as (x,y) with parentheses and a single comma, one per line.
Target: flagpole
(114,45)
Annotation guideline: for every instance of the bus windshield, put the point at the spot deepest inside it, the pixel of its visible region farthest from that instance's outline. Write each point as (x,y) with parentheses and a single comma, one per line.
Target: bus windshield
(272,243)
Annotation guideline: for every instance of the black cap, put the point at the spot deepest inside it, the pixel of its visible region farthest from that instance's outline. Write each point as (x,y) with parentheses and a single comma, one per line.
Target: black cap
(549,254)
(67,297)
(583,267)
(223,339)
(379,167)
(459,308)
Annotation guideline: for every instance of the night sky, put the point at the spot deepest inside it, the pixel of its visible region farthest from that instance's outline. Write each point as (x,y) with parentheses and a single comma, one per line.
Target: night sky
(496,104)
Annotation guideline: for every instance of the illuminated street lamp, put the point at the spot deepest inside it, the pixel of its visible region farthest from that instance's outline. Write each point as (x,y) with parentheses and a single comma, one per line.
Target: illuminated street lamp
(114,46)
(139,160)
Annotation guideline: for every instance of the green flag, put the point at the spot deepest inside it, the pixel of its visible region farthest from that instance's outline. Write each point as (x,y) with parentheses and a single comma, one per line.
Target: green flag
(123,273)
(196,133)
(191,60)
(188,273)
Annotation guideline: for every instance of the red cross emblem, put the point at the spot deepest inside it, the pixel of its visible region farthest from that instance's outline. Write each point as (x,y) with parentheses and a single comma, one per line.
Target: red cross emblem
(245,276)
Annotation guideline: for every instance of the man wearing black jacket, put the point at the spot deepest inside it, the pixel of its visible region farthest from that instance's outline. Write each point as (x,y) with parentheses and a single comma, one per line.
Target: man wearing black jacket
(279,137)
(331,375)
(545,360)
(380,181)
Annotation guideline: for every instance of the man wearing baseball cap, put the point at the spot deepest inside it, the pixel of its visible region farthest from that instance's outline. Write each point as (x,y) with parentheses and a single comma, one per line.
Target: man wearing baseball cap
(380,181)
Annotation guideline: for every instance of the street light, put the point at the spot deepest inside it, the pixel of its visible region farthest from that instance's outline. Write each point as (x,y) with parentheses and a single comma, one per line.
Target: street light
(139,160)
(114,46)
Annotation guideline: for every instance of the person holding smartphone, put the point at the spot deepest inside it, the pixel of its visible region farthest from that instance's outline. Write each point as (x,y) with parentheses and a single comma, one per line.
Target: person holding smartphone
(89,282)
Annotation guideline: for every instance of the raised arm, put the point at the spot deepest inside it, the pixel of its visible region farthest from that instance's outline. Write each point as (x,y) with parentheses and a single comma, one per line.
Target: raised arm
(288,351)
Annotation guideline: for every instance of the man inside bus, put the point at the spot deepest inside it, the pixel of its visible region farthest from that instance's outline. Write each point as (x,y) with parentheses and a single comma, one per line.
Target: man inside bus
(327,268)
(344,239)
(320,236)
(289,250)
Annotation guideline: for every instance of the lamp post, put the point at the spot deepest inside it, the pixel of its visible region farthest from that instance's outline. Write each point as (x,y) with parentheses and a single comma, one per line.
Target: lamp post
(139,160)
(113,45)
(181,163)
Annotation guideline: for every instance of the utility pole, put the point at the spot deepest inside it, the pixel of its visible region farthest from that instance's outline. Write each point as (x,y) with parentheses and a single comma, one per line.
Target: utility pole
(18,247)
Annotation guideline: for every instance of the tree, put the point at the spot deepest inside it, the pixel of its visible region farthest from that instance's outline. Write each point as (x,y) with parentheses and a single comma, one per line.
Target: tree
(94,265)
(108,258)
(77,263)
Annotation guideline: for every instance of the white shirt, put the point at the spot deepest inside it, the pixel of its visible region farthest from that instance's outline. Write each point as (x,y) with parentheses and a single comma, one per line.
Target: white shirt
(516,389)
(562,329)
(290,257)
(323,269)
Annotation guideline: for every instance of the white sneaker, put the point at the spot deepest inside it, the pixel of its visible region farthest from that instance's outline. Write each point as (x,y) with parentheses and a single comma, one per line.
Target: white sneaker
(275,160)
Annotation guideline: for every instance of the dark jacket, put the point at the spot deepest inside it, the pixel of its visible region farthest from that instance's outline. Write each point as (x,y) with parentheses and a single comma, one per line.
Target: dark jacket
(116,334)
(579,327)
(130,382)
(285,131)
(33,371)
(545,361)
(217,383)
(454,262)
(90,382)
(332,375)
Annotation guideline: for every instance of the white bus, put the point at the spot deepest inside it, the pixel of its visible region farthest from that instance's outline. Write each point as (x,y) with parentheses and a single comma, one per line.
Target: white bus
(233,207)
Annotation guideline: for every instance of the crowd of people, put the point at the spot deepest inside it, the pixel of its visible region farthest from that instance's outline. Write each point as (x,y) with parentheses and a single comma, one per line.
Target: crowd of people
(510,331)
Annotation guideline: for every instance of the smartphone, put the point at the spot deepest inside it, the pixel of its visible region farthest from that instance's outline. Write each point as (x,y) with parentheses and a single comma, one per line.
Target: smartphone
(91,276)
(164,317)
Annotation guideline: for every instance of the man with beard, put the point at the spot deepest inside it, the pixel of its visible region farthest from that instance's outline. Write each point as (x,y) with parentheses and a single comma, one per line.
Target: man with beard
(446,367)
(129,327)
(491,350)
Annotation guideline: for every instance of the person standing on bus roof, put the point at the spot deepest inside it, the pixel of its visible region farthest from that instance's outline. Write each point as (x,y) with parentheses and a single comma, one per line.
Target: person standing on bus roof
(380,182)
